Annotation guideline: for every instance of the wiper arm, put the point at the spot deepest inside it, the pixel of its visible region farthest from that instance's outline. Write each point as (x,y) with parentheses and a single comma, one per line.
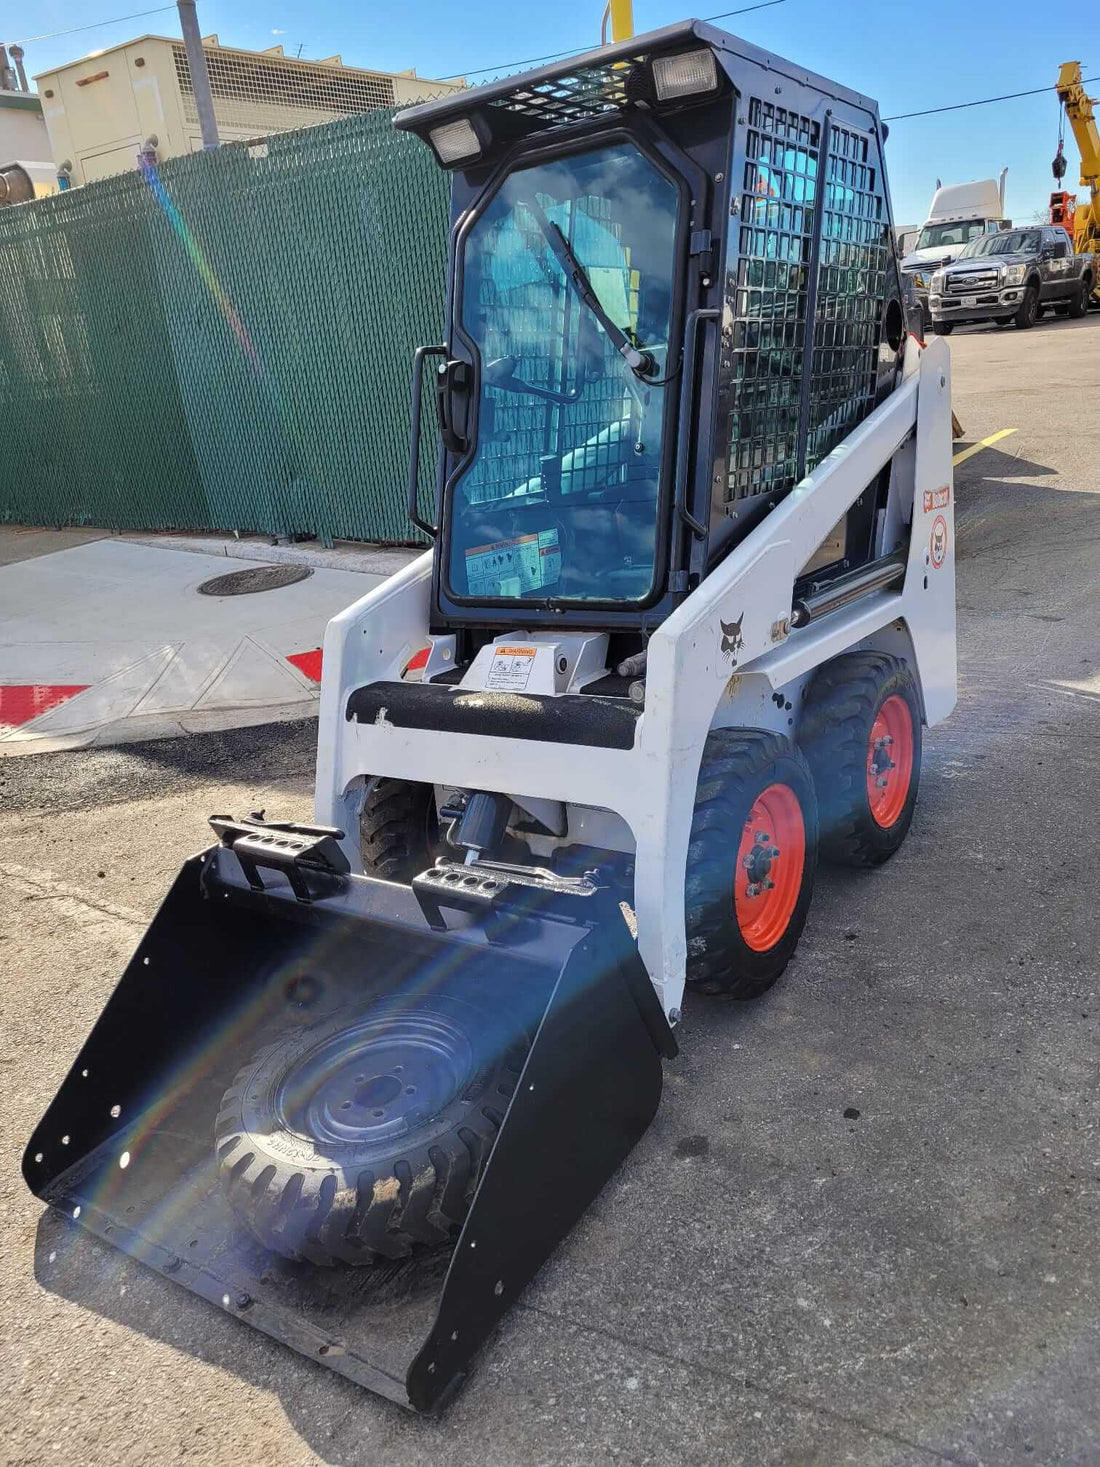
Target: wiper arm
(641,363)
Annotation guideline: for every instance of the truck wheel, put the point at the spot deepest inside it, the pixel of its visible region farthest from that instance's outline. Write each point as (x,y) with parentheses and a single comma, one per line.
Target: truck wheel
(862,735)
(943,328)
(398,830)
(751,862)
(1079,301)
(364,1136)
(1028,313)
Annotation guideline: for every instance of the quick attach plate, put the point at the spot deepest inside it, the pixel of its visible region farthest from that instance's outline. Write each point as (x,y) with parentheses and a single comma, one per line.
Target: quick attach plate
(282,845)
(487,886)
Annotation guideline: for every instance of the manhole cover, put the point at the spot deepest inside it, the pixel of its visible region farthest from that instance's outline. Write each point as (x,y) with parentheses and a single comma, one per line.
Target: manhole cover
(258,578)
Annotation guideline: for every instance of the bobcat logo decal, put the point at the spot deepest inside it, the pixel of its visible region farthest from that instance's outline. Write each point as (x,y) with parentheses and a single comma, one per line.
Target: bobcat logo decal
(732,640)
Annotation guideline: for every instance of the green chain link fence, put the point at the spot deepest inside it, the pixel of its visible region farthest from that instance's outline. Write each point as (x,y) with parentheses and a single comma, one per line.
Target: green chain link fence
(224,343)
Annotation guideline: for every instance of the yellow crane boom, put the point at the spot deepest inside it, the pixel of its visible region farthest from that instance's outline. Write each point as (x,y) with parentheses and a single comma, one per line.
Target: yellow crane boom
(1078,105)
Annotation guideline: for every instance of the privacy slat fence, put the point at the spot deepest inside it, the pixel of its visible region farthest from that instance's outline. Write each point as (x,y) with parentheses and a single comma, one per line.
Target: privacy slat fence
(225,342)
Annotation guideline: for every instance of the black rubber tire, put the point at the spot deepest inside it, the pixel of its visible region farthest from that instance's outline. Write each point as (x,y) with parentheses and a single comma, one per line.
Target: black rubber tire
(943,328)
(398,830)
(737,765)
(308,1192)
(841,706)
(1028,312)
(1079,301)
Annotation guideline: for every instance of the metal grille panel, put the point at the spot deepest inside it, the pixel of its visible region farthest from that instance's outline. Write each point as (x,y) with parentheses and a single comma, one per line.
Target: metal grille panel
(226,344)
(274,93)
(850,287)
(777,211)
(584,94)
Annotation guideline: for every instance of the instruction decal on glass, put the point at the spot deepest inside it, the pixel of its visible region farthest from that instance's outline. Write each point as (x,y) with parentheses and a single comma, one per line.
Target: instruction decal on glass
(510,669)
(514,567)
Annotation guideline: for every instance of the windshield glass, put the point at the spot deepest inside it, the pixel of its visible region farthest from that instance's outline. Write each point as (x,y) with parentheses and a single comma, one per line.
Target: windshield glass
(560,501)
(1018,242)
(935,236)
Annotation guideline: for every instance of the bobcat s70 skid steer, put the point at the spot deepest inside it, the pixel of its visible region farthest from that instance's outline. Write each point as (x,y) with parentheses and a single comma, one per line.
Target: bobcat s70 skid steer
(688,604)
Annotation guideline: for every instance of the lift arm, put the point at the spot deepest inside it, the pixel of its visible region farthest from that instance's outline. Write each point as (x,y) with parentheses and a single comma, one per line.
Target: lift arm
(1078,105)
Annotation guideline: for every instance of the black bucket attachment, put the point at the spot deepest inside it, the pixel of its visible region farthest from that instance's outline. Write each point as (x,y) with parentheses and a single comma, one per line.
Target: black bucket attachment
(264,933)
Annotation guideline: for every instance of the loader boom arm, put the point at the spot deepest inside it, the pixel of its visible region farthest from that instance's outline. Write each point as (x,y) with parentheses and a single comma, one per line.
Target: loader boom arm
(1079,111)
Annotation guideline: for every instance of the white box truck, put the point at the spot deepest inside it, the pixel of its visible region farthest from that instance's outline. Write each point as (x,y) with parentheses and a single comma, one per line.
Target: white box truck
(959,212)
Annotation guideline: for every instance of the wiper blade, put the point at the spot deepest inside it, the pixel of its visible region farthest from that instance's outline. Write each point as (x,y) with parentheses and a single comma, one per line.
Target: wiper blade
(641,363)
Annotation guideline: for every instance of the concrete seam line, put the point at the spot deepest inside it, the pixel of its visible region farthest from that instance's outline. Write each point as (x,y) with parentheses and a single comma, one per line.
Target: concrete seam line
(744,1383)
(77,905)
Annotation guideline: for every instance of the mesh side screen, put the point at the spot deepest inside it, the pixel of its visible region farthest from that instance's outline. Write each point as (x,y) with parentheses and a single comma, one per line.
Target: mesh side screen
(777,211)
(850,288)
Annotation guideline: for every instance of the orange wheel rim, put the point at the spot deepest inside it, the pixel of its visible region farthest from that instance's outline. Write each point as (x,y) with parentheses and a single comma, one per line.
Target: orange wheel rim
(770,862)
(890,761)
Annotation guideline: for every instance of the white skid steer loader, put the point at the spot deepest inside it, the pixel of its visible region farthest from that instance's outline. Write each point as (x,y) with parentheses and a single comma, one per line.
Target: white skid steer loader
(689,602)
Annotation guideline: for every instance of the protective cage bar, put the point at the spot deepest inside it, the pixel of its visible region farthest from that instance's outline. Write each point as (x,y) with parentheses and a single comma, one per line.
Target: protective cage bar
(126,1149)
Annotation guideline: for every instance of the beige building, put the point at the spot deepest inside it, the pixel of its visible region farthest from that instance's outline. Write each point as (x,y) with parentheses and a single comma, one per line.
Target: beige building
(102,110)
(26,166)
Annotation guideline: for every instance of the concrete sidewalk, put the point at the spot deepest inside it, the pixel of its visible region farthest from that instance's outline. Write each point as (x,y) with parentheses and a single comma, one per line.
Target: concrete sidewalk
(108,640)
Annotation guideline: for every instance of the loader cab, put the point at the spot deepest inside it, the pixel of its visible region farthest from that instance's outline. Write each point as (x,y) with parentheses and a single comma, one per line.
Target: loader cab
(672,289)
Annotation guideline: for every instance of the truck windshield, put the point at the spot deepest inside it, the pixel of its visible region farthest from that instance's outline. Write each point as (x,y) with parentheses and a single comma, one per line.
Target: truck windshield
(560,500)
(936,236)
(1018,242)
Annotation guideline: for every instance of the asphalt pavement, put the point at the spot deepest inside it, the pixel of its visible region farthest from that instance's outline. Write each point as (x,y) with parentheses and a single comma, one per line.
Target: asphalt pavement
(863,1226)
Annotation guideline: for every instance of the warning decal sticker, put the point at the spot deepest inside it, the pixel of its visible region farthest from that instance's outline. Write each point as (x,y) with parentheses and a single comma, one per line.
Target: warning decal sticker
(514,567)
(937,545)
(510,669)
(937,498)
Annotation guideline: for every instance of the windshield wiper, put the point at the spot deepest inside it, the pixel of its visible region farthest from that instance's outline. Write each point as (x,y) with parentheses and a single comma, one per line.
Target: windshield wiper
(641,363)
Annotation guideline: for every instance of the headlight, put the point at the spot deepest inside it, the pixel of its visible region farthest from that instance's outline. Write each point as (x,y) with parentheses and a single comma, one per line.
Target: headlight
(685,75)
(937,281)
(1014,274)
(456,142)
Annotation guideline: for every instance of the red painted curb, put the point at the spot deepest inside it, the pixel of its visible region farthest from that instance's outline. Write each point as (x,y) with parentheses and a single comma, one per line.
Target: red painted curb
(308,662)
(22,702)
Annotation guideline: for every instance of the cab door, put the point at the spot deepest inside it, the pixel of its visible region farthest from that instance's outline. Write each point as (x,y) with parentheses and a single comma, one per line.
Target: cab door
(1063,275)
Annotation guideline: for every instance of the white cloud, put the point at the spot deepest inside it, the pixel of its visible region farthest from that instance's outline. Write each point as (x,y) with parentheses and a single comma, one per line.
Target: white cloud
(276,32)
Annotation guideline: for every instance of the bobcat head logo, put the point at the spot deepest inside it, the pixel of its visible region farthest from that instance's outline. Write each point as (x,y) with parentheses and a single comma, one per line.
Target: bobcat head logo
(732,640)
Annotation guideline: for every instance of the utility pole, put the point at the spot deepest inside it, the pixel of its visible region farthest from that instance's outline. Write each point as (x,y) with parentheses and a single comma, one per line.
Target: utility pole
(200,79)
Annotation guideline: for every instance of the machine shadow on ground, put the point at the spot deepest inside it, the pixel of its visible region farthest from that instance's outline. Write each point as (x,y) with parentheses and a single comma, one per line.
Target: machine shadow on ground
(278,758)
(78,1268)
(992,516)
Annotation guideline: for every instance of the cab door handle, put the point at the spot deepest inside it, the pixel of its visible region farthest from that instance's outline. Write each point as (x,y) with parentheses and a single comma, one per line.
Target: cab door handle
(451,377)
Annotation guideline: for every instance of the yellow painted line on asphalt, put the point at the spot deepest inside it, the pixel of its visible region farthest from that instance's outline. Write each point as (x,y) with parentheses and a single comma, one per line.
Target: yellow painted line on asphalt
(961,458)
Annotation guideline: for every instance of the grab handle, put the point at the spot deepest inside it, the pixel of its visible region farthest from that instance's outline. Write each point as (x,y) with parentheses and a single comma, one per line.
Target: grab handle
(414,437)
(687,417)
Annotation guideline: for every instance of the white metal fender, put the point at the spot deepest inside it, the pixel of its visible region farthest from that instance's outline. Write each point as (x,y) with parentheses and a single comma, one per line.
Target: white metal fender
(736,622)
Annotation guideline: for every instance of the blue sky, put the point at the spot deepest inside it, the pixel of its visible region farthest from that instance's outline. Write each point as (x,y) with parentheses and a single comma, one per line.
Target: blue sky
(927,55)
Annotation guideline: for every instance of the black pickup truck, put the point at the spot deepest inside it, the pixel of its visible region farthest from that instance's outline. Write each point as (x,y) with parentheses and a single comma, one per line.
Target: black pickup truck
(1015,277)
